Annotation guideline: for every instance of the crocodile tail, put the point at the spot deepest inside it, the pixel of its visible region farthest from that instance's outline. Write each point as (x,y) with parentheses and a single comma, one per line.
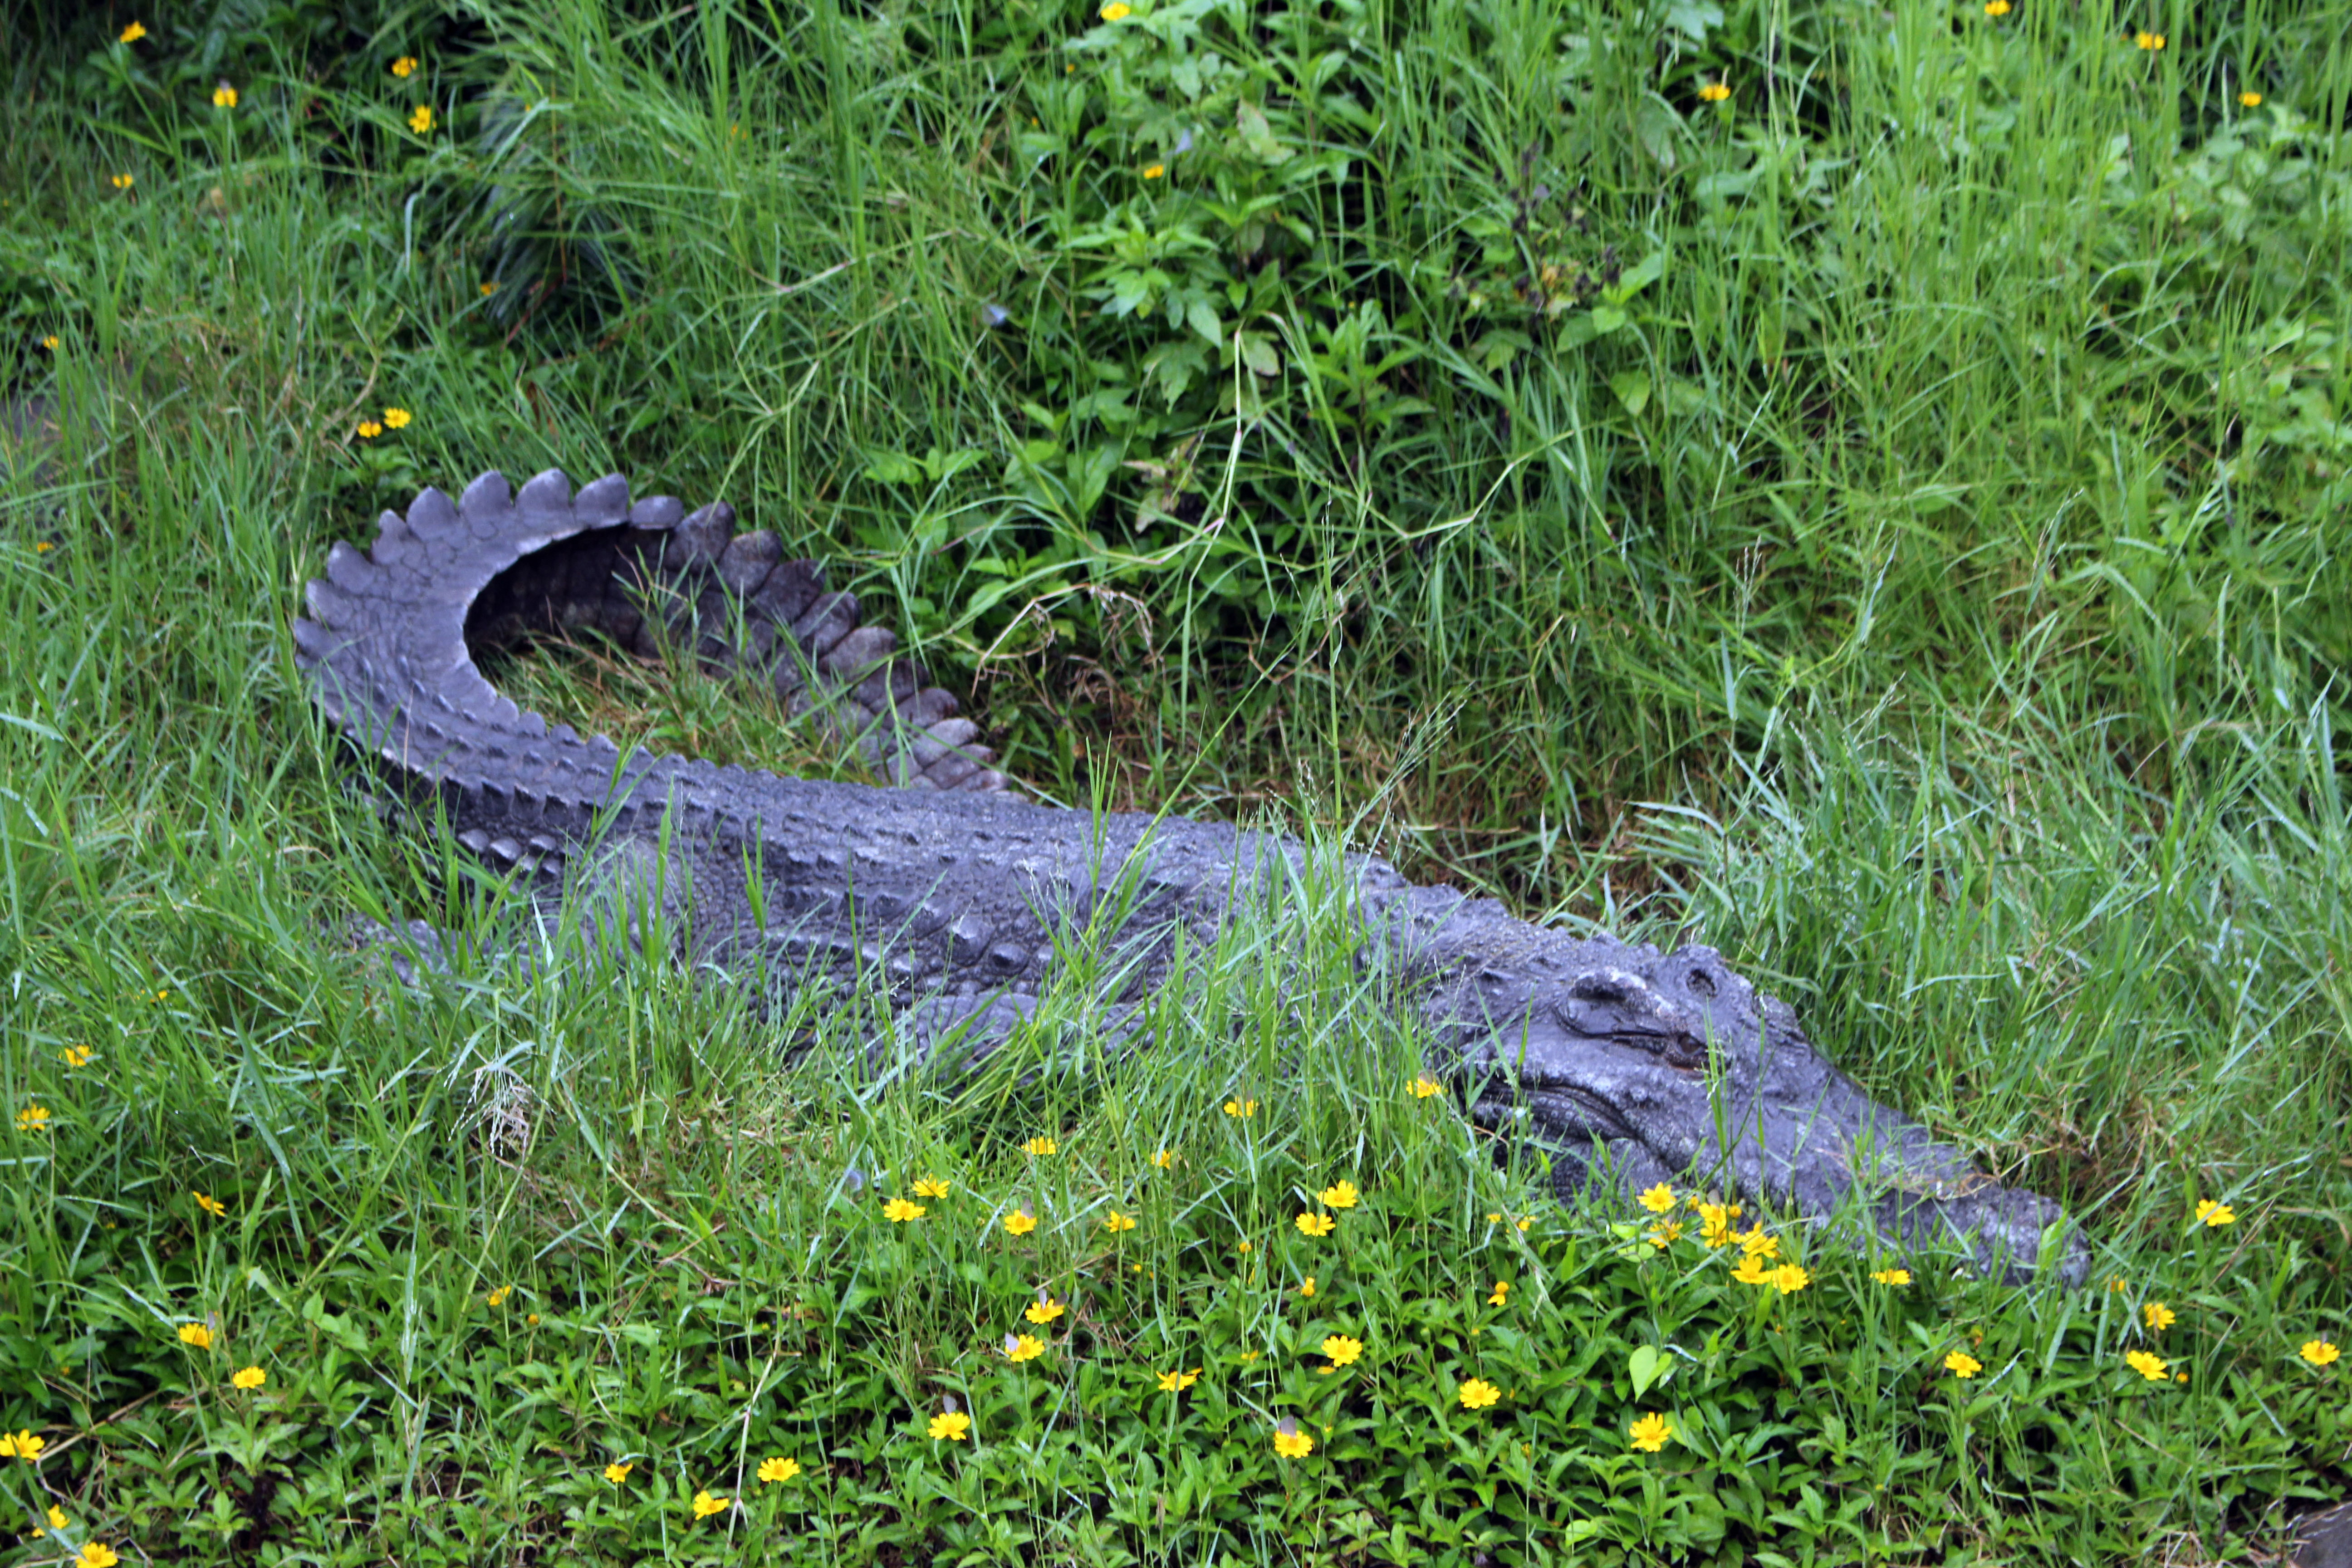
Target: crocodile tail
(388,644)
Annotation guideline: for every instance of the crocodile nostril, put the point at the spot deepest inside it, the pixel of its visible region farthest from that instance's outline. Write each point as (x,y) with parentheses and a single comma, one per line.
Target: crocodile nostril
(1702,983)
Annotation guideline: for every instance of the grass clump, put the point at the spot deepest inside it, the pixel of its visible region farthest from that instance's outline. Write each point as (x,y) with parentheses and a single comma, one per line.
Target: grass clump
(1862,490)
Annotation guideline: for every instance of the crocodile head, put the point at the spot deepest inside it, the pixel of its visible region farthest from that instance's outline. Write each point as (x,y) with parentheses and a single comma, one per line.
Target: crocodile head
(1671,1067)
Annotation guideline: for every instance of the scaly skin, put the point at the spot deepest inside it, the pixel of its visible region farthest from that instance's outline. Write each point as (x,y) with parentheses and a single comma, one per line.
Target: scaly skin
(1628,1065)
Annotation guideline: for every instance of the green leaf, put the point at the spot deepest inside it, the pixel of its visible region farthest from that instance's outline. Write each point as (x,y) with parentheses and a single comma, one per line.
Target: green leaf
(892,469)
(1202,317)
(1646,1366)
(1632,387)
(1643,273)
(1693,21)
(1607,318)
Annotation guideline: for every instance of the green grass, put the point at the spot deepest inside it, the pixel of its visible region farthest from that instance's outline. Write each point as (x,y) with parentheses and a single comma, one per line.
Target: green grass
(1888,525)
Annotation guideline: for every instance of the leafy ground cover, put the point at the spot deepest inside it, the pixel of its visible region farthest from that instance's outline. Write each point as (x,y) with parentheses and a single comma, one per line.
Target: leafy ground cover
(1862,488)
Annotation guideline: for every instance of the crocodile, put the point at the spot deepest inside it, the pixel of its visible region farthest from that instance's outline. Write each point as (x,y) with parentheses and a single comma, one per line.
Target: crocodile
(958,899)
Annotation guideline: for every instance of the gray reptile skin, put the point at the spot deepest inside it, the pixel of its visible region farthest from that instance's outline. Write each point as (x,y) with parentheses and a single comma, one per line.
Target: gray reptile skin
(1625,1064)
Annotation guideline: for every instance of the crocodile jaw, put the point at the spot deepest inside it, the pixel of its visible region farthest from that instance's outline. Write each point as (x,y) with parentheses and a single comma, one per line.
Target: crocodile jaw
(1671,1068)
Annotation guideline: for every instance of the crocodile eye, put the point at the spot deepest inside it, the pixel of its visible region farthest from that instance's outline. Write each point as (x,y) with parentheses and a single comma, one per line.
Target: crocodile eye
(1702,983)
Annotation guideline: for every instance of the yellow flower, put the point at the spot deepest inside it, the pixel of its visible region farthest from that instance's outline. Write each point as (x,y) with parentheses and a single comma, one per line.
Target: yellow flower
(1020,1222)
(2118,1283)
(1155,171)
(1714,92)
(1961,1365)
(134,33)
(498,1298)
(1164,1159)
(1755,1244)
(2250,100)
(2158,1316)
(951,1427)
(123,182)
(1178,1382)
(1494,1219)
(1307,1289)
(1893,1277)
(1649,1433)
(1118,11)
(1243,1248)
(1425,1087)
(1317,1224)
(95,1554)
(77,1056)
(1288,1440)
(489,289)
(930,1187)
(1751,1271)
(1343,1351)
(779,1469)
(1996,8)
(1044,1310)
(2150,1367)
(50,342)
(1116,1222)
(531,1317)
(249,1377)
(1665,1236)
(57,1520)
(1715,1225)
(2319,1353)
(420,119)
(898,1211)
(369,429)
(1243,1108)
(196,1334)
(2215,1213)
(1040,1146)
(1658,1199)
(406,66)
(1340,1196)
(1019,1348)
(705,1505)
(223,96)
(618,1474)
(1790,1278)
(212,1207)
(33,1119)
(23,1444)
(1527,1222)
(1502,1294)
(1477,1394)
(395,418)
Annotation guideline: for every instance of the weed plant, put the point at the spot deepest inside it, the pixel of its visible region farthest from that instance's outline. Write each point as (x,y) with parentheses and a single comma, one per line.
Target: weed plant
(1863,487)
